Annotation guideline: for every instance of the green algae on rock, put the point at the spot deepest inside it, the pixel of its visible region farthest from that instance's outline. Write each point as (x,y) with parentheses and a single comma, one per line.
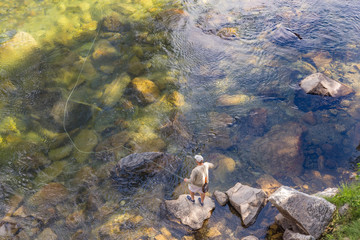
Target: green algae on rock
(85,141)
(114,90)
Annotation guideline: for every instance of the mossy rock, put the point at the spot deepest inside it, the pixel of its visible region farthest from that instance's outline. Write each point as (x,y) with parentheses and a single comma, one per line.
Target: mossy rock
(61,152)
(15,52)
(50,173)
(147,90)
(85,141)
(114,90)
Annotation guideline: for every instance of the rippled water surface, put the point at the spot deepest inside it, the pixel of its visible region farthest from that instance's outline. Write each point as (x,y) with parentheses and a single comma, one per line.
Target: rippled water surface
(217,78)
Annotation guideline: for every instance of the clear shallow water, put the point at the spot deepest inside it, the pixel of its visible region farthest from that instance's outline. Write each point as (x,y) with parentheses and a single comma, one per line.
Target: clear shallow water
(201,56)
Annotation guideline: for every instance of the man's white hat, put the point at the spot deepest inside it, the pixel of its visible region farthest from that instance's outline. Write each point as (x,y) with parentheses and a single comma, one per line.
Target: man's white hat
(198,158)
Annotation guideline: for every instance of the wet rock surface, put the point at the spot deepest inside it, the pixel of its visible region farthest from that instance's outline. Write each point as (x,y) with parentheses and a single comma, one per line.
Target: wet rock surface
(221,197)
(190,214)
(311,214)
(290,235)
(247,201)
(133,169)
(319,84)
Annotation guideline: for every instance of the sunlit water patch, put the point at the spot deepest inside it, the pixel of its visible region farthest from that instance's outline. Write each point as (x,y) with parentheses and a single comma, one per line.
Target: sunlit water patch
(209,77)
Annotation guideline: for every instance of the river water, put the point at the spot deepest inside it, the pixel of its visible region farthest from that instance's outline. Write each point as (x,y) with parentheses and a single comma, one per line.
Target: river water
(217,78)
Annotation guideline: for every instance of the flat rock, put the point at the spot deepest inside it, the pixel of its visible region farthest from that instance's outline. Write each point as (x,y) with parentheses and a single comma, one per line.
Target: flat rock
(247,201)
(50,194)
(311,214)
(319,84)
(251,237)
(290,235)
(190,214)
(221,197)
(47,234)
(329,192)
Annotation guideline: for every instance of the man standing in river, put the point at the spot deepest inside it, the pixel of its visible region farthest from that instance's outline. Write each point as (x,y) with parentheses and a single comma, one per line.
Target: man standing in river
(199,176)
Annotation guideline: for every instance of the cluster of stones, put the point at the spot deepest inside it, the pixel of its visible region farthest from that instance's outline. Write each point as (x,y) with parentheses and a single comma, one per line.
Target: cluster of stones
(301,216)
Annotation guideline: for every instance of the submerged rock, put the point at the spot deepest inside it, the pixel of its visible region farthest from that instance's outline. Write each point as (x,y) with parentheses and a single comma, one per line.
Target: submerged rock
(147,91)
(268,184)
(311,214)
(47,234)
(131,170)
(113,22)
(190,214)
(319,84)
(232,100)
(278,152)
(50,194)
(15,51)
(104,51)
(77,114)
(114,90)
(247,201)
(85,141)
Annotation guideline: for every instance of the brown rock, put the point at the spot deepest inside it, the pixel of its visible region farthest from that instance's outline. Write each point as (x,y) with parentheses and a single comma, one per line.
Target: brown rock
(47,234)
(50,194)
(75,219)
(279,151)
(268,184)
(104,51)
(232,100)
(147,91)
(309,118)
(258,117)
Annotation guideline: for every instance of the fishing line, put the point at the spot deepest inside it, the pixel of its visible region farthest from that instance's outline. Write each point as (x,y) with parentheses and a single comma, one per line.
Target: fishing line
(71,93)
(66,113)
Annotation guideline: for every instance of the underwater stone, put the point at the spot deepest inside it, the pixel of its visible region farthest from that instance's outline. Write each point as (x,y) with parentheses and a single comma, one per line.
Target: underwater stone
(176,99)
(225,166)
(86,140)
(47,234)
(268,184)
(77,114)
(61,152)
(50,194)
(278,152)
(104,51)
(319,84)
(114,90)
(113,22)
(15,51)
(231,100)
(147,90)
(136,67)
(50,173)
(75,219)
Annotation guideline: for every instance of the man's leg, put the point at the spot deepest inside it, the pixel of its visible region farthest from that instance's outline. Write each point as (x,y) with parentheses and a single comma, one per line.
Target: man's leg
(192,195)
(202,195)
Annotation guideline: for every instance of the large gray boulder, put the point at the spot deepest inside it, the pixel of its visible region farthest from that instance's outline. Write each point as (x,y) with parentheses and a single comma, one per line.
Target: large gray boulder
(135,168)
(311,214)
(190,214)
(290,235)
(247,201)
(319,84)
